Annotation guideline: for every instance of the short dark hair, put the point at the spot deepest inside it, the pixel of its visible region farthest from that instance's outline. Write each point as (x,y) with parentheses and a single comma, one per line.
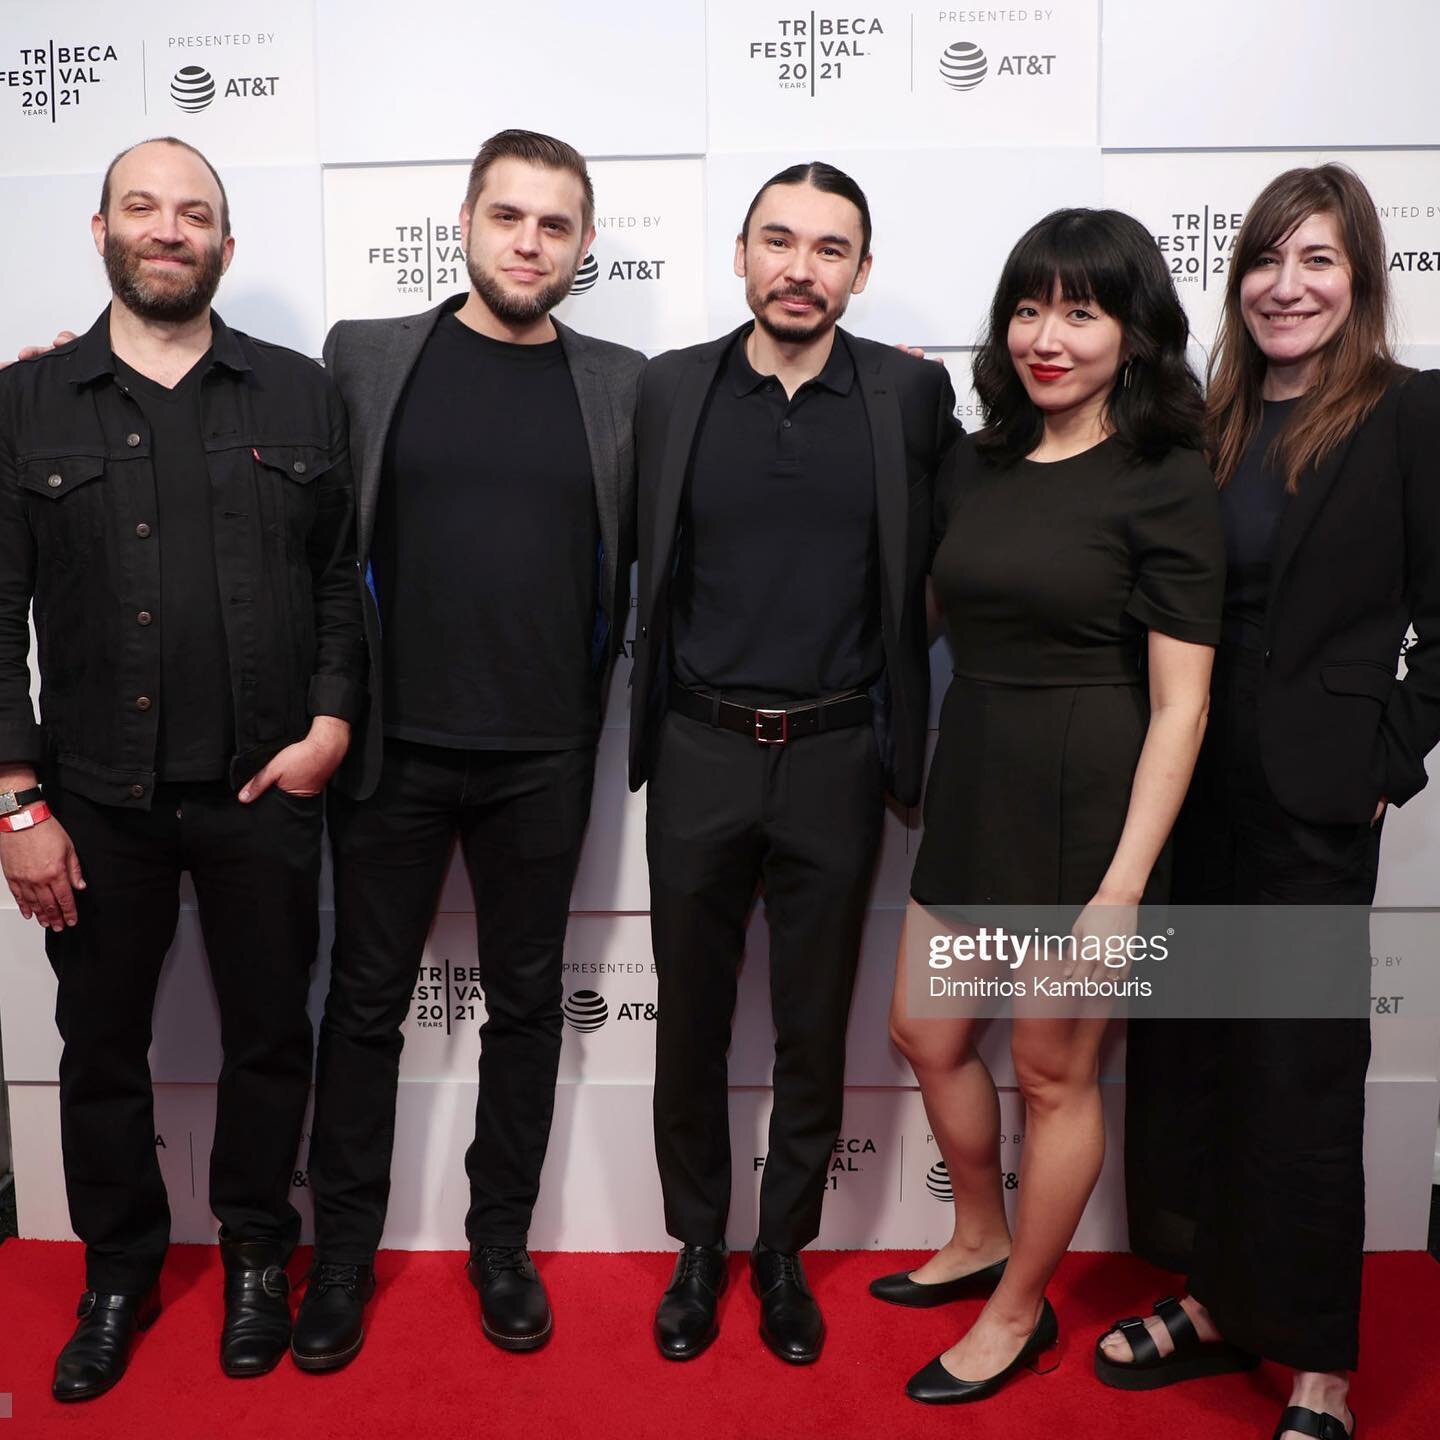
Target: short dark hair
(534,149)
(824,177)
(184,145)
(1108,258)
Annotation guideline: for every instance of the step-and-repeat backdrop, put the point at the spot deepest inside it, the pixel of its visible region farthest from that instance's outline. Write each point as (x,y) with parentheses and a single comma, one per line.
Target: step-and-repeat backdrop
(343,129)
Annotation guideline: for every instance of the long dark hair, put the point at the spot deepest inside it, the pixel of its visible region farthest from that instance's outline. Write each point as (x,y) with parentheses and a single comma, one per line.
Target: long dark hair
(1109,259)
(1355,367)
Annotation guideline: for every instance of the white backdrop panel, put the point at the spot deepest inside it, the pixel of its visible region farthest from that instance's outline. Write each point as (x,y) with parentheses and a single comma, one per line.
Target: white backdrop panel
(573,69)
(393,247)
(81,79)
(1300,72)
(273,289)
(944,222)
(1193,204)
(890,74)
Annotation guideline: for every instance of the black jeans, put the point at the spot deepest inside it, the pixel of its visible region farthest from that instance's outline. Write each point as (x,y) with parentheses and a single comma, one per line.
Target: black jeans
(520,817)
(804,821)
(256,870)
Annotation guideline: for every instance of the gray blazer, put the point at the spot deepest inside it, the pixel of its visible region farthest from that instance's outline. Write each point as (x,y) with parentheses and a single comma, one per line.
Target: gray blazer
(371,361)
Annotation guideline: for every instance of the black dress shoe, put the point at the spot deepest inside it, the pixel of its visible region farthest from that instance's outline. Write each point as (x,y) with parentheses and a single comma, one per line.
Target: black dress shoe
(256,1332)
(935,1385)
(330,1324)
(790,1320)
(685,1320)
(95,1356)
(900,1289)
(514,1312)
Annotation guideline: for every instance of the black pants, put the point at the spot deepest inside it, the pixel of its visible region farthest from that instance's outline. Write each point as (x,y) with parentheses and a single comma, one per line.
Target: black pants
(803,820)
(1243,1139)
(256,869)
(520,816)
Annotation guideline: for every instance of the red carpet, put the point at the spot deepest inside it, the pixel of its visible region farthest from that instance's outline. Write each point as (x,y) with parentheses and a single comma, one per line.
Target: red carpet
(427,1371)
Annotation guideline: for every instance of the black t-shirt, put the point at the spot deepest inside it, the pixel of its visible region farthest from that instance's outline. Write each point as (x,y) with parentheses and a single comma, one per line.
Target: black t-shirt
(777,594)
(486,551)
(1251,505)
(196,710)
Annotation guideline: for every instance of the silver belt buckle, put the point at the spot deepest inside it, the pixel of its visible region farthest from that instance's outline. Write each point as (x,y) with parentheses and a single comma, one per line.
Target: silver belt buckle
(761,716)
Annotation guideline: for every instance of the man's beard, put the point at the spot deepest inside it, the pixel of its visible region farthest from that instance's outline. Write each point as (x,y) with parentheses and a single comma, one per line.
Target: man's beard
(188,293)
(799,329)
(519,309)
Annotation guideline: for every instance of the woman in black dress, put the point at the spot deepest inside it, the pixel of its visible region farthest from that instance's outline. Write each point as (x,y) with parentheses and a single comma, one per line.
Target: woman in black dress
(1243,1138)
(1080,572)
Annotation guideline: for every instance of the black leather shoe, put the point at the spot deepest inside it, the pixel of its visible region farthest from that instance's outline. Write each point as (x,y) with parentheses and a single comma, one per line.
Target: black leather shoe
(256,1332)
(790,1320)
(935,1385)
(96,1355)
(685,1321)
(514,1312)
(330,1324)
(900,1289)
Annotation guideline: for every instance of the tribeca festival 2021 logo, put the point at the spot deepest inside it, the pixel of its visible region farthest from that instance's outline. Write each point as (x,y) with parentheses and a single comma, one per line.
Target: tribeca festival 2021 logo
(50,79)
(421,256)
(1197,242)
(849,1157)
(809,50)
(447,995)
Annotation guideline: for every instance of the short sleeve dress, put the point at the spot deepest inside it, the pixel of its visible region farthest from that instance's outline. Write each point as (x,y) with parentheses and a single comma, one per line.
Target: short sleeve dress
(1050,576)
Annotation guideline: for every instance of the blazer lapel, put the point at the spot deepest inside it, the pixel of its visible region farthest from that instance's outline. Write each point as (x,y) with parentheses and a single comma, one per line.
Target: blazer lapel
(887,442)
(1299,514)
(601,436)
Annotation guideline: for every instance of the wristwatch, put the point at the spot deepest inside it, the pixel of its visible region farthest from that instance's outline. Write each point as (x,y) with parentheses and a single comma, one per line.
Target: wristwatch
(13,800)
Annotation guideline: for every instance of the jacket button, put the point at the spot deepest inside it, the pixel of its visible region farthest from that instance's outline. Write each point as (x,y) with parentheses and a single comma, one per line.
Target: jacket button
(1265,658)
(132,440)
(142,702)
(644,631)
(144,617)
(137,792)
(298,467)
(142,530)
(54,481)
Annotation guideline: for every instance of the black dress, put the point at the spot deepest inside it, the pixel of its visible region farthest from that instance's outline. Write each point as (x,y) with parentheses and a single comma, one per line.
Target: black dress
(1050,576)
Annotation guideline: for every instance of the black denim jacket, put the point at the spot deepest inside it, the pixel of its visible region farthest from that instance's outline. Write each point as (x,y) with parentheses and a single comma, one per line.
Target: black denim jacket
(78,535)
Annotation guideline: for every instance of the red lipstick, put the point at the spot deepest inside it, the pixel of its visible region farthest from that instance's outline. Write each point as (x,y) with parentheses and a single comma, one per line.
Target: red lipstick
(1046,373)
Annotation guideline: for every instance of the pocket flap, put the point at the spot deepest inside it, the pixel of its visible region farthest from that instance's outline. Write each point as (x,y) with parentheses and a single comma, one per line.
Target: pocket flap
(1358,677)
(300,463)
(56,476)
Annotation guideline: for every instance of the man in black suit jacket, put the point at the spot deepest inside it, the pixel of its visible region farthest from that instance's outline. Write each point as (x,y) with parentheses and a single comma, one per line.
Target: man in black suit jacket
(495,474)
(780,687)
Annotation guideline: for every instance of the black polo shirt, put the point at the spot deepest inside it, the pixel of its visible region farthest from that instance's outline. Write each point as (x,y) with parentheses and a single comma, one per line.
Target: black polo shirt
(777,586)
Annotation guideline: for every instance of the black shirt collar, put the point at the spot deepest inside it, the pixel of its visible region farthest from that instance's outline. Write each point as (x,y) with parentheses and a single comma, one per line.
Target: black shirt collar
(94,360)
(837,376)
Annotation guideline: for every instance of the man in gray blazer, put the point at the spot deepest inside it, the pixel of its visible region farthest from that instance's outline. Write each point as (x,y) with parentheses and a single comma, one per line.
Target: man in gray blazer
(495,472)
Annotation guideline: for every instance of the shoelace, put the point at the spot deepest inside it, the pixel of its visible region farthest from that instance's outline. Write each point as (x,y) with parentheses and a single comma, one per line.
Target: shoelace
(497,1260)
(789,1267)
(326,1276)
(690,1257)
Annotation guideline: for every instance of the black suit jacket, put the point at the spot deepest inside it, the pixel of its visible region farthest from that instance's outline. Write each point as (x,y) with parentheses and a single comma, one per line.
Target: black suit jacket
(910,405)
(371,362)
(1356,560)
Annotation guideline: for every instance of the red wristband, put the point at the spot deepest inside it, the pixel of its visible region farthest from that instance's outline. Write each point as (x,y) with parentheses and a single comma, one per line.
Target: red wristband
(27,818)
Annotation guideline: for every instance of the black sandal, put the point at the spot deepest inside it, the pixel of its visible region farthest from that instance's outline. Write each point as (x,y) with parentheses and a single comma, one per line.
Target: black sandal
(1191,1359)
(1314,1423)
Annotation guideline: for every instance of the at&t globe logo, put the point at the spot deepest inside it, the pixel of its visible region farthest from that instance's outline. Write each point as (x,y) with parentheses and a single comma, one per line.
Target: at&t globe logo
(585,1010)
(963,65)
(193,87)
(586,275)
(937,1182)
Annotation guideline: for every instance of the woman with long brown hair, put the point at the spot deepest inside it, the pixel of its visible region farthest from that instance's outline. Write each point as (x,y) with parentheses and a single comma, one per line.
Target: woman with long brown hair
(1243,1137)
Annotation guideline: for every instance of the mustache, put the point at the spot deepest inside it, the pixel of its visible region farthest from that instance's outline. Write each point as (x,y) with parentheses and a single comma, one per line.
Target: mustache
(160,251)
(798,292)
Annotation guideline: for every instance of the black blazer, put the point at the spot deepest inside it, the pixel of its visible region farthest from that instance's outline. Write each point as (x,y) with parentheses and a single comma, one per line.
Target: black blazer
(910,405)
(371,361)
(1357,560)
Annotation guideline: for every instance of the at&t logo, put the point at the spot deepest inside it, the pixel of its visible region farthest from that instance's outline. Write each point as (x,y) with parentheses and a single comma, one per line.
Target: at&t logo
(586,275)
(937,1182)
(587,1010)
(193,87)
(963,65)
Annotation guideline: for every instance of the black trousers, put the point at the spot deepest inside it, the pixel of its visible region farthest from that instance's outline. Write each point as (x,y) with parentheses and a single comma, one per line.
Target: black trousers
(1243,1139)
(802,820)
(520,816)
(256,869)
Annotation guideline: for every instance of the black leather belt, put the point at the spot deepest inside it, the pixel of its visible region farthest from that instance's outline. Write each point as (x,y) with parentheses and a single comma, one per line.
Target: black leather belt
(772,727)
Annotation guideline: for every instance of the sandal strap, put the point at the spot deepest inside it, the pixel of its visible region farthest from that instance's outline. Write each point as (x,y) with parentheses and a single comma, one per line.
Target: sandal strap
(1177,1322)
(1143,1350)
(1310,1422)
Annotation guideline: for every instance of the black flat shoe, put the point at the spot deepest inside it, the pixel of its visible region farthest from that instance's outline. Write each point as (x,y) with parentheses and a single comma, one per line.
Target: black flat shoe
(1314,1423)
(900,1289)
(1191,1359)
(935,1385)
(256,1332)
(685,1321)
(790,1321)
(514,1312)
(330,1324)
(95,1356)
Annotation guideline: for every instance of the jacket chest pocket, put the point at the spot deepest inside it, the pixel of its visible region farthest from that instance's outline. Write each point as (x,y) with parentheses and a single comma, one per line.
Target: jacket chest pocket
(65,501)
(286,475)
